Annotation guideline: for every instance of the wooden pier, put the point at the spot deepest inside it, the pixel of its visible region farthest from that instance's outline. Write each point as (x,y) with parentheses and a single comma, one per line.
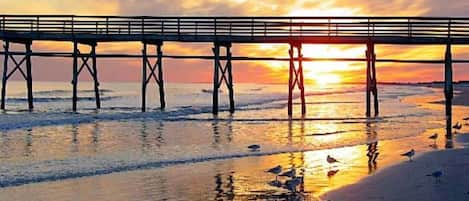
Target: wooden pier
(223,32)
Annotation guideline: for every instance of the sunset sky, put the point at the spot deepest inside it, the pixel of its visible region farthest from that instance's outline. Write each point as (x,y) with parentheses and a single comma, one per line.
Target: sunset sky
(59,69)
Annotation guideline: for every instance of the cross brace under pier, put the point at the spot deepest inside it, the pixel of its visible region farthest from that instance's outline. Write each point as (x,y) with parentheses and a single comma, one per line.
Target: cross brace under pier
(17,66)
(222,73)
(296,77)
(157,65)
(85,57)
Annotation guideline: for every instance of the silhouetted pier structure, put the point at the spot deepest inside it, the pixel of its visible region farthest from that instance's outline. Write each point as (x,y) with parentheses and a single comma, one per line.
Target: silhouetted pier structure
(223,32)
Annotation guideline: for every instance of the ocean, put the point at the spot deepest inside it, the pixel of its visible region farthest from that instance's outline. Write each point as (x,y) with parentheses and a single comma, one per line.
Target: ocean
(185,153)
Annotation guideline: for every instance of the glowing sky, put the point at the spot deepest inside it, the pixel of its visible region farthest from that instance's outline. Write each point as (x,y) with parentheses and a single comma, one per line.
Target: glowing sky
(263,72)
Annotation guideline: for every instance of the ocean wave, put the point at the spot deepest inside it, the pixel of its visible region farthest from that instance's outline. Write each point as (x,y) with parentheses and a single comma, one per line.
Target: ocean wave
(59,92)
(60,99)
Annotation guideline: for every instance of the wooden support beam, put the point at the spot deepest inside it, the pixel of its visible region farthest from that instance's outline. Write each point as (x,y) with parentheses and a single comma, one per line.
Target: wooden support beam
(290,81)
(29,78)
(448,89)
(144,76)
(95,76)
(216,52)
(160,75)
(368,81)
(75,76)
(374,82)
(371,80)
(301,80)
(6,47)
(230,78)
(157,76)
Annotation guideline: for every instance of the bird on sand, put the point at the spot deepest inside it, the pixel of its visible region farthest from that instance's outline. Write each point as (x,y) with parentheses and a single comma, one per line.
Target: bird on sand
(331,160)
(275,170)
(290,173)
(433,137)
(457,126)
(293,183)
(436,175)
(331,173)
(254,147)
(409,154)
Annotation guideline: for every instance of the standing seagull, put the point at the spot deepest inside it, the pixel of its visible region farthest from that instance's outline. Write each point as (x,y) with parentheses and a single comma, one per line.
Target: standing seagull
(457,126)
(436,175)
(291,184)
(254,147)
(331,160)
(275,170)
(434,137)
(409,154)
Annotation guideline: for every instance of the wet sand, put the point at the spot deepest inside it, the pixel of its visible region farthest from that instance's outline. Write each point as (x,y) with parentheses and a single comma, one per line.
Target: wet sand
(409,180)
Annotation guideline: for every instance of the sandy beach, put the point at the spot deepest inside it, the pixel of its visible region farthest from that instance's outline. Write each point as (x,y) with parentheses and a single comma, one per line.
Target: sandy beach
(410,180)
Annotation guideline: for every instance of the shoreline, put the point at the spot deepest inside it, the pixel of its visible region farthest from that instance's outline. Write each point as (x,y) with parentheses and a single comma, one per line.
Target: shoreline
(411,182)
(408,180)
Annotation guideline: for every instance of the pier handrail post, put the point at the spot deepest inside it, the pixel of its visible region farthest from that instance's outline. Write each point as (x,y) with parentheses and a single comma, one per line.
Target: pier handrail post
(73,25)
(179,28)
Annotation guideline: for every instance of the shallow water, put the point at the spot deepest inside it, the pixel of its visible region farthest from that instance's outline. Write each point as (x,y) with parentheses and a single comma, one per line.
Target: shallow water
(185,153)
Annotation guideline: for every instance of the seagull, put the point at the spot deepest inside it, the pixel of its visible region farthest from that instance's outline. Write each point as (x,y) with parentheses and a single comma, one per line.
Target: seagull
(436,175)
(331,173)
(254,147)
(457,126)
(290,173)
(409,154)
(275,170)
(434,136)
(331,160)
(292,183)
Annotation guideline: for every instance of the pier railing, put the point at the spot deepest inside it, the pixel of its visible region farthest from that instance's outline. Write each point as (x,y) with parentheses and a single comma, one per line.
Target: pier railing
(410,27)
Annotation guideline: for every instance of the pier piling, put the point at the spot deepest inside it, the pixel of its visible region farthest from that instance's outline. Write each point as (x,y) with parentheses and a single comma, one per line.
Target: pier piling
(448,90)
(371,81)
(91,69)
(148,65)
(26,60)
(296,77)
(220,75)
